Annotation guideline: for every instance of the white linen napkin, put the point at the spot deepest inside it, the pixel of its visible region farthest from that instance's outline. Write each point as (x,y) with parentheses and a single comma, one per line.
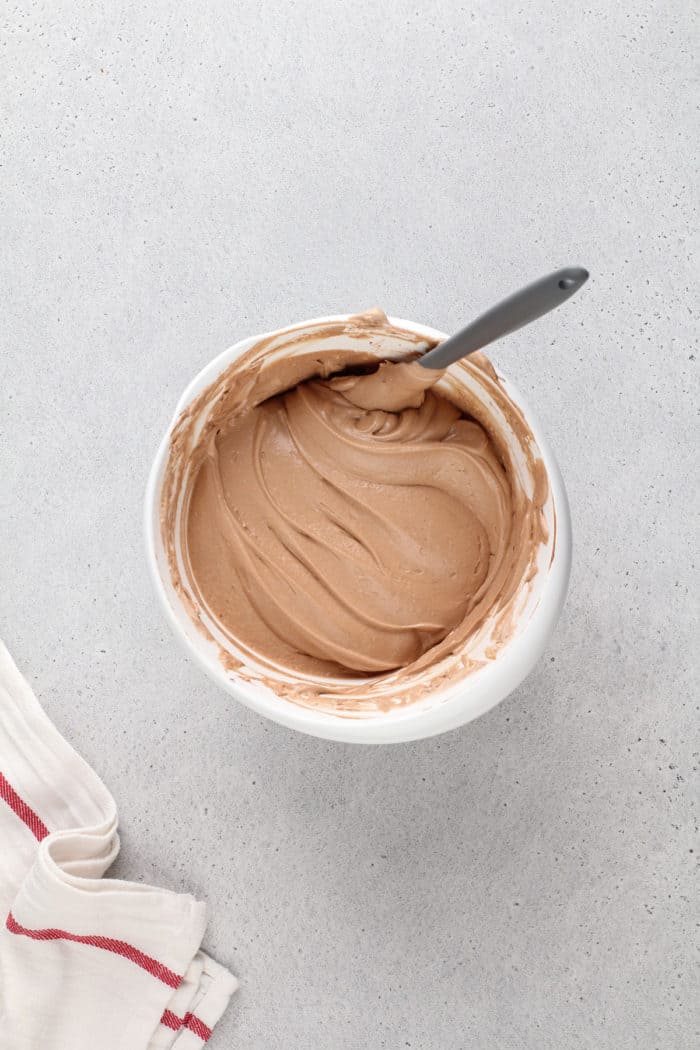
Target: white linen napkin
(86,963)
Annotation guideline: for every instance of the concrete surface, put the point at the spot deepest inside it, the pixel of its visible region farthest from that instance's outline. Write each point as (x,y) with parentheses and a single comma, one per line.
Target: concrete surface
(177,176)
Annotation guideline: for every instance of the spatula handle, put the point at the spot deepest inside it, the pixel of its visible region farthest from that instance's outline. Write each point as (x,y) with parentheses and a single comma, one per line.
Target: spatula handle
(517,310)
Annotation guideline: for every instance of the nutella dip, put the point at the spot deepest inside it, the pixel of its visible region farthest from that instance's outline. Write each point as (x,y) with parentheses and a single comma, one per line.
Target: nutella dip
(344,522)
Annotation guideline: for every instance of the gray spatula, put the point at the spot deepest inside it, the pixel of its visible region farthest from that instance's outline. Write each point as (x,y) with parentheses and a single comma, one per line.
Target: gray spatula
(517,310)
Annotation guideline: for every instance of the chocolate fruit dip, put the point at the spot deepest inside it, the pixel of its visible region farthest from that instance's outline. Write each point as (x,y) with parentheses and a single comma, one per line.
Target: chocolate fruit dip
(343,525)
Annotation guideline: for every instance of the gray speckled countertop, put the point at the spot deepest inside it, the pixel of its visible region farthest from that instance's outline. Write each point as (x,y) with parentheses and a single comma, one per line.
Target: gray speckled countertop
(177,176)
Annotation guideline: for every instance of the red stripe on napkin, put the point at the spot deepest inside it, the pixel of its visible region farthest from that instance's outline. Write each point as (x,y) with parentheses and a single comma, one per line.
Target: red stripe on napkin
(108,944)
(25,813)
(171,1020)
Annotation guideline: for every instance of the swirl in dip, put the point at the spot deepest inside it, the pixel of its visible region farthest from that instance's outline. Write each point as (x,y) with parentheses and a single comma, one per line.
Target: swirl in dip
(343,523)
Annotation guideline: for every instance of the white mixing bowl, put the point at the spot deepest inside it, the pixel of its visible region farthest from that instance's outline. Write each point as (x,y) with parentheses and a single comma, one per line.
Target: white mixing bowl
(453,705)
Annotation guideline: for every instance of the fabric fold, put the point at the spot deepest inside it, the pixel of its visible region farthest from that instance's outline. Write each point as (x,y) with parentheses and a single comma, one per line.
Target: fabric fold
(86,961)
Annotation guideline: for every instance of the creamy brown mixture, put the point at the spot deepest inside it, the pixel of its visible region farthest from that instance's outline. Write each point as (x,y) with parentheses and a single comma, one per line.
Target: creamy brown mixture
(344,527)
